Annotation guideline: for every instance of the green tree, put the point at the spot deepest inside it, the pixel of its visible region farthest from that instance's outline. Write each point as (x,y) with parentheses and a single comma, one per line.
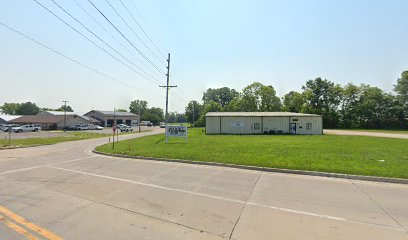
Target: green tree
(121,110)
(223,95)
(349,106)
(259,97)
(10,108)
(136,105)
(69,109)
(293,102)
(28,108)
(154,115)
(193,111)
(402,91)
(323,97)
(377,109)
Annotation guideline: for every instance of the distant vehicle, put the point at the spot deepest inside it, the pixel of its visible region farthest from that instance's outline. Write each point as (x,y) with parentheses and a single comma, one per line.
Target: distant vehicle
(27,128)
(72,128)
(162,124)
(5,127)
(76,127)
(97,127)
(84,127)
(124,128)
(146,123)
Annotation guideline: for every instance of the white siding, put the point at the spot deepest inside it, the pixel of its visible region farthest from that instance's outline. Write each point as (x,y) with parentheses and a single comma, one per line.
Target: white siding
(276,124)
(301,125)
(241,125)
(212,125)
(248,125)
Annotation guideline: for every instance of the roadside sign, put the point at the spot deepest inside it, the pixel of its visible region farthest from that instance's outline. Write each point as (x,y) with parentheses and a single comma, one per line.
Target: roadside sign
(176,131)
(114,127)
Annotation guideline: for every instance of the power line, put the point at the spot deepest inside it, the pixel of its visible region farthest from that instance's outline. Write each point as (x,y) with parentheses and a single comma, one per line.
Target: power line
(72,59)
(70,26)
(107,19)
(144,44)
(106,31)
(141,16)
(141,28)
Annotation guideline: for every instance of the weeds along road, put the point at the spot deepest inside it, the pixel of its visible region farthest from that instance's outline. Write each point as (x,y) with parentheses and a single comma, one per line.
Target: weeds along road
(64,191)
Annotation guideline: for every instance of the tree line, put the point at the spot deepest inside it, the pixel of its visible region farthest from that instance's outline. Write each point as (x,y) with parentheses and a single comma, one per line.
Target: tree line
(342,106)
(28,108)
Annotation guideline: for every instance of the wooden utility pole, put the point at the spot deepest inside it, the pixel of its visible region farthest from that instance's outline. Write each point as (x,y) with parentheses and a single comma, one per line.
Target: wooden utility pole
(65,115)
(167,89)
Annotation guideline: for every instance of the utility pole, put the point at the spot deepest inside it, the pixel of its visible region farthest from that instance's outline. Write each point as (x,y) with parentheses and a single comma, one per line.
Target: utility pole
(167,89)
(65,115)
(140,106)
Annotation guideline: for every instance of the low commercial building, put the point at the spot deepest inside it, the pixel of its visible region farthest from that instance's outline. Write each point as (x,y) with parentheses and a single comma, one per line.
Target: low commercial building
(263,123)
(90,120)
(4,118)
(107,118)
(50,122)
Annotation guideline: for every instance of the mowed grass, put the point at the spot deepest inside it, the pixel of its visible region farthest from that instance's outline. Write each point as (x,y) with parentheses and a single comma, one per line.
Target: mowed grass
(71,136)
(373,156)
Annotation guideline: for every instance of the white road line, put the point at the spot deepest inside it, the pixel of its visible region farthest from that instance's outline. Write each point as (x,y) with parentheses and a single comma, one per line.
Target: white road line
(226,199)
(43,165)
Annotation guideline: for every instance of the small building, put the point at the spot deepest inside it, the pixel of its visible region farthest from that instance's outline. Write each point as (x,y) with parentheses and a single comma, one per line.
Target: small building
(62,113)
(51,122)
(107,118)
(263,123)
(4,118)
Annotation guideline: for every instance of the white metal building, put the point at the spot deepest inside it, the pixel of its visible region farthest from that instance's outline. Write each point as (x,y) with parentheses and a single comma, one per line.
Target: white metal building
(263,123)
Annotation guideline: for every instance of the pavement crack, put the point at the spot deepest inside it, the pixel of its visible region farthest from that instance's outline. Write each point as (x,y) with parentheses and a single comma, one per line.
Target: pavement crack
(245,204)
(379,206)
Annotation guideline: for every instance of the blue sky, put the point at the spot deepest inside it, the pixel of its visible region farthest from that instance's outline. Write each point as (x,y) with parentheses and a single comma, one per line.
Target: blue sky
(213,44)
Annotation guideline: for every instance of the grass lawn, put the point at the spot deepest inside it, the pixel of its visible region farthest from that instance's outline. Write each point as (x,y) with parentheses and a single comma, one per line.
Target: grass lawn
(327,153)
(70,136)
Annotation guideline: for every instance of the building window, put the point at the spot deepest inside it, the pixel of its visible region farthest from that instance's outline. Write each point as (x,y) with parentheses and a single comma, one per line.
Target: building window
(257,126)
(308,126)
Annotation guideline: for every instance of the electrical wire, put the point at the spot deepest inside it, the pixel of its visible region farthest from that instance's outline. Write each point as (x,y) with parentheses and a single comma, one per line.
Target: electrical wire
(141,28)
(107,19)
(147,25)
(110,34)
(127,24)
(80,33)
(73,60)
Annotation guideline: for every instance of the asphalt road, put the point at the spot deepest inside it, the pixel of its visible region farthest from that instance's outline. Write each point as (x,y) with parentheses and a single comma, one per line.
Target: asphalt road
(365,133)
(64,191)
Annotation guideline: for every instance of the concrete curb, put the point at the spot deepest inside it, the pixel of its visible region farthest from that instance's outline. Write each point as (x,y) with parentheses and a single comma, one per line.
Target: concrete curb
(17,147)
(266,169)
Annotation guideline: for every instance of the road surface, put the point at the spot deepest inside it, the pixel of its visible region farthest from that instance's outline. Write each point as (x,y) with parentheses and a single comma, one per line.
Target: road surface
(64,191)
(365,133)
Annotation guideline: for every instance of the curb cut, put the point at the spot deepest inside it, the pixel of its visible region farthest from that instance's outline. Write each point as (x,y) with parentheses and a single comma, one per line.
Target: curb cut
(266,169)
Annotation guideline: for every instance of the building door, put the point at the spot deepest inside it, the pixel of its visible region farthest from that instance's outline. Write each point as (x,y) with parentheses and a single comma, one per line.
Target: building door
(293,128)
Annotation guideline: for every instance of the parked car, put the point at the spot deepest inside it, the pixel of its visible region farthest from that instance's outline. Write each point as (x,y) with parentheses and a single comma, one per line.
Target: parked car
(124,128)
(27,128)
(146,123)
(97,127)
(6,127)
(162,125)
(84,127)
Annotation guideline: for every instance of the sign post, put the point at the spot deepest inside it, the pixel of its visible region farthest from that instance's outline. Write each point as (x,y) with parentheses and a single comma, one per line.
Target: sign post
(176,131)
(113,139)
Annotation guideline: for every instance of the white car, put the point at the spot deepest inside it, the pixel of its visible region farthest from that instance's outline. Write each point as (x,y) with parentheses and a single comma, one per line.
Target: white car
(97,127)
(27,128)
(124,128)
